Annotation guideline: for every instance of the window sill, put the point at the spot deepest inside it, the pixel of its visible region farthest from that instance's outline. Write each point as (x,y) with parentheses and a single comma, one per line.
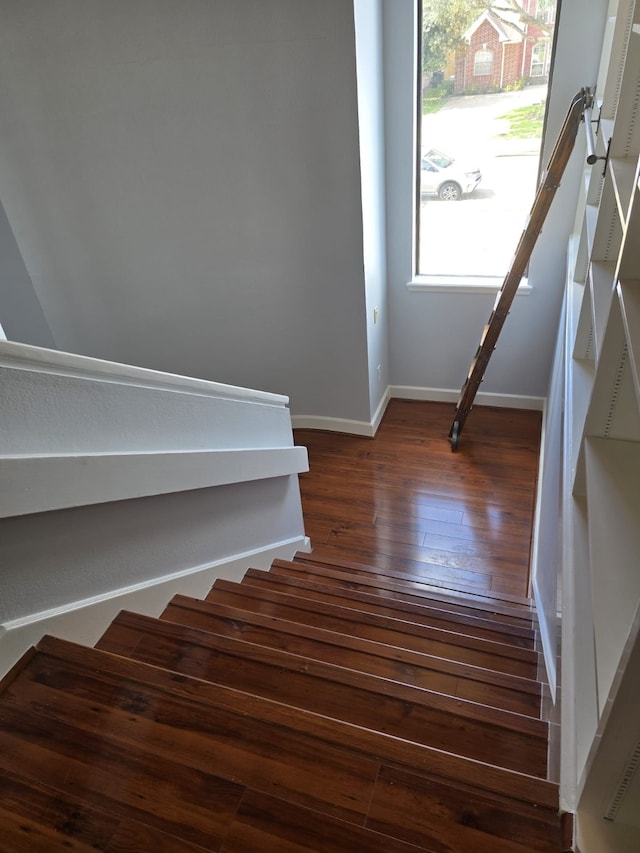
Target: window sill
(463,284)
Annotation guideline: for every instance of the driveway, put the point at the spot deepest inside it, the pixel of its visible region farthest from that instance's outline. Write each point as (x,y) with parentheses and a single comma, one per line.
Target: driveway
(471,124)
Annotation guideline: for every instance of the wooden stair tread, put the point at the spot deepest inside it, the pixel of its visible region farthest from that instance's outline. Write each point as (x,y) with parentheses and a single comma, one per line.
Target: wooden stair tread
(488,687)
(122,717)
(298,584)
(265,823)
(66,714)
(415,592)
(458,574)
(58,743)
(422,716)
(427,640)
(37,817)
(420,808)
(519,605)
(50,818)
(106,697)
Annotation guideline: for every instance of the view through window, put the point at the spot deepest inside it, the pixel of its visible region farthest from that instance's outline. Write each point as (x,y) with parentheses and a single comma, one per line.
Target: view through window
(485,67)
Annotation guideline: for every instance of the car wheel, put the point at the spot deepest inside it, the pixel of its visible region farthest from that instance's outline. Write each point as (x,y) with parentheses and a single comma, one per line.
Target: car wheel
(450,191)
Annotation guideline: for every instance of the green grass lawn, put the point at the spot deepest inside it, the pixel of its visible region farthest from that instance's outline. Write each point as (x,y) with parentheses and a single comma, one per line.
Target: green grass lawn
(434,98)
(525,122)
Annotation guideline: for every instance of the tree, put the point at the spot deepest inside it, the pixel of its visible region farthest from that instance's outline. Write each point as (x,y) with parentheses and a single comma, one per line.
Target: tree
(444,22)
(512,8)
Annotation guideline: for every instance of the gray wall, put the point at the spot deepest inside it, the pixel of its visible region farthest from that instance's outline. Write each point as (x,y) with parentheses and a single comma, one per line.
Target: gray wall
(21,317)
(184,185)
(182,180)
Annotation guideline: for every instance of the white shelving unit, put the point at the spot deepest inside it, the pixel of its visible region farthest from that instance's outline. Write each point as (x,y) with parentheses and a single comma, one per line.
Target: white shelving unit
(602,459)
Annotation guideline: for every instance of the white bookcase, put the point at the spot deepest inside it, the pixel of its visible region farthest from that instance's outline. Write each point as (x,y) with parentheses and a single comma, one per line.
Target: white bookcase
(602,457)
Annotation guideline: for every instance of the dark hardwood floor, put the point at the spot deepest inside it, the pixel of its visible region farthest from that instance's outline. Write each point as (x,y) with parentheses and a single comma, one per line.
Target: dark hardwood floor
(404,501)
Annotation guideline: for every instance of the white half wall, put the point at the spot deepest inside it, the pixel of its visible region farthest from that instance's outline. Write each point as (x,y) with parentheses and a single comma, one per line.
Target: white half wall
(86,620)
(118,484)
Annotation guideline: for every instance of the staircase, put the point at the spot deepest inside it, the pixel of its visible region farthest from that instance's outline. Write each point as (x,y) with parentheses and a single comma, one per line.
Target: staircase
(323,705)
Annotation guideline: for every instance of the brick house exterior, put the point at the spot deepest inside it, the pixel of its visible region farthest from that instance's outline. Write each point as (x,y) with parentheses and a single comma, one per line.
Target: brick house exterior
(501,51)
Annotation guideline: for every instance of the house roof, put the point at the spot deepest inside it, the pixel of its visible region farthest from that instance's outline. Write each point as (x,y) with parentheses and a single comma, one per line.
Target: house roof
(507,25)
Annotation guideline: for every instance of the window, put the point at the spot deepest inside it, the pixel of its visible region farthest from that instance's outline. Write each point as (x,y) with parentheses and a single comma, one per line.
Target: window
(483,63)
(480,132)
(538,60)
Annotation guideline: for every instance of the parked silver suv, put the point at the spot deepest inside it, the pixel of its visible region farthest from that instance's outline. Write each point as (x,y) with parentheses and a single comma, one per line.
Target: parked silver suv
(442,175)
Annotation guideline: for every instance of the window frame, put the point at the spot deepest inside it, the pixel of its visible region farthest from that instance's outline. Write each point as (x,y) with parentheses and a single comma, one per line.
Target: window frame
(544,45)
(436,282)
(484,62)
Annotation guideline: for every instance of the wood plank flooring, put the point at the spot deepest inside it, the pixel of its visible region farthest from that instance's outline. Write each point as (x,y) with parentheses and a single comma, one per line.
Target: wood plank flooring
(404,501)
(378,695)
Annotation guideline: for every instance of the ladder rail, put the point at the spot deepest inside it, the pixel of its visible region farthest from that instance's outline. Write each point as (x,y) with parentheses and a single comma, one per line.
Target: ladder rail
(544,196)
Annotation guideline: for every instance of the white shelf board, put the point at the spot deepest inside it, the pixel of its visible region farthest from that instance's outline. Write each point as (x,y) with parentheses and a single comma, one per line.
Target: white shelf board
(605,54)
(586,242)
(606,129)
(602,284)
(611,787)
(613,500)
(584,652)
(628,293)
(579,370)
(583,343)
(630,256)
(607,237)
(623,175)
(582,375)
(613,407)
(614,55)
(625,141)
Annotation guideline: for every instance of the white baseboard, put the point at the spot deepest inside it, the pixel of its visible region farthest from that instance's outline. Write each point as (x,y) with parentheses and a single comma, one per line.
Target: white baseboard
(382,408)
(86,620)
(412,392)
(450,395)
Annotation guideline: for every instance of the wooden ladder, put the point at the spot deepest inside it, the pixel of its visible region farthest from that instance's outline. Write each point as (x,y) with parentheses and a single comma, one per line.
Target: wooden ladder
(542,202)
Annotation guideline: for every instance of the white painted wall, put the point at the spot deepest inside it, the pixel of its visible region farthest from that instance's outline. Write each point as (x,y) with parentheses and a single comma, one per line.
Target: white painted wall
(369,57)
(434,335)
(188,172)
